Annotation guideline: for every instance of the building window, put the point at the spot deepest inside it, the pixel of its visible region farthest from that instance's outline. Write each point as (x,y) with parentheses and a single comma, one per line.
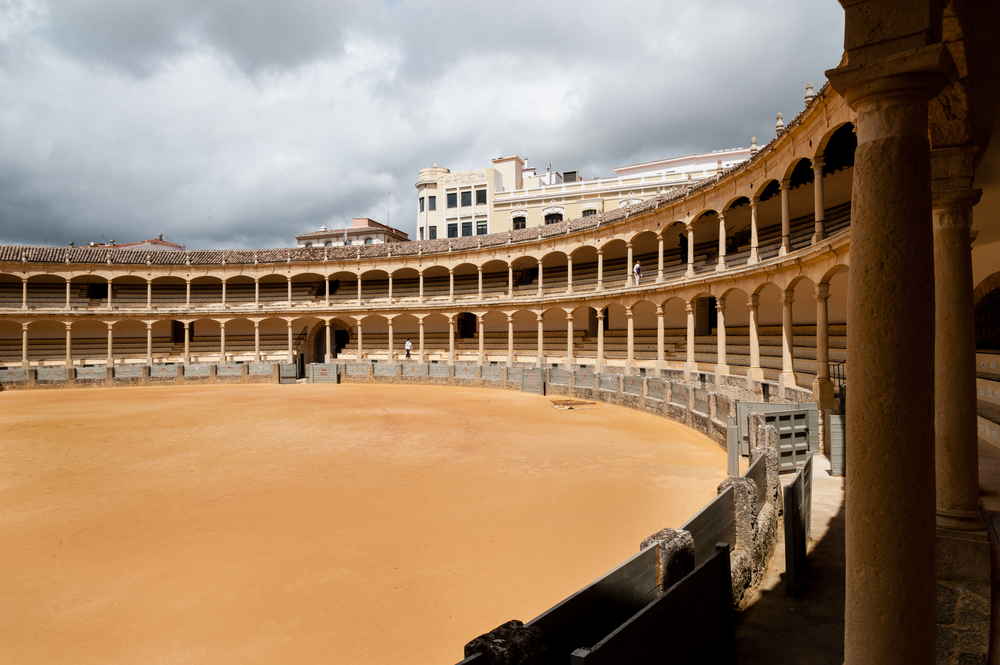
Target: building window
(347,241)
(466,228)
(553,218)
(368,241)
(432,231)
(466,199)
(421,204)
(453,200)
(328,244)
(481,227)
(520,223)
(452,229)
(421,229)
(480,197)
(589,213)
(309,244)
(432,203)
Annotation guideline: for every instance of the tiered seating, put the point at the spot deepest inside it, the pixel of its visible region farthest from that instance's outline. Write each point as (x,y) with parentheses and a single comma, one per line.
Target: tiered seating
(172,296)
(53,351)
(43,296)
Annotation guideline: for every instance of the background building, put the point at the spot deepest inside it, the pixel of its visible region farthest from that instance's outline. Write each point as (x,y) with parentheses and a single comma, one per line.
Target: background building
(364,232)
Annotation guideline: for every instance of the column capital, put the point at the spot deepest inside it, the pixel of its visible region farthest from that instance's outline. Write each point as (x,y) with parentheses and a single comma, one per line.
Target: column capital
(600,315)
(451,271)
(822,291)
(720,304)
(628,245)
(659,311)
(721,215)
(962,199)
(817,162)
(788,297)
(689,307)
(628,312)
(69,326)
(785,184)
(754,200)
(256,324)
(510,318)
(110,326)
(149,326)
(569,316)
(540,317)
(600,252)
(753,301)
(24,326)
(186,324)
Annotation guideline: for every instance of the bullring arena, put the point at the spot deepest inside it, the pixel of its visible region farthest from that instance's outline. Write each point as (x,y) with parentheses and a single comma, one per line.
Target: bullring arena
(820,272)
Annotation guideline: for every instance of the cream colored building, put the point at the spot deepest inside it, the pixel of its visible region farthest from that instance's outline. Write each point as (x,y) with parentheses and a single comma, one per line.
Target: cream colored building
(510,195)
(363,231)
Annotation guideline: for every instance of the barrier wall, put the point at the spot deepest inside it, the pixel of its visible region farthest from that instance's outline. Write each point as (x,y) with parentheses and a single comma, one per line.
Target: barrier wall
(143,375)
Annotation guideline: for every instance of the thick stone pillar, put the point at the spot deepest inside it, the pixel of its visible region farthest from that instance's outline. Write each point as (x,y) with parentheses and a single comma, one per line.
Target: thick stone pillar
(787,340)
(721,362)
(149,344)
(541,339)
(256,341)
(786,239)
(659,258)
(222,341)
(956,450)
(451,339)
(599,361)
(451,285)
(660,350)
(392,354)
(721,264)
(629,274)
(187,342)
(818,205)
(510,340)
(69,344)
(329,341)
(540,290)
(690,256)
(890,612)
(569,273)
(481,327)
(690,365)
(822,385)
(754,372)
(600,270)
(630,344)
(24,345)
(754,250)
(569,341)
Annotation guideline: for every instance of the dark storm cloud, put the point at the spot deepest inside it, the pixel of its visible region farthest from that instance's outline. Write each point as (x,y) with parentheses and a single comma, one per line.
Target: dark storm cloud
(234,124)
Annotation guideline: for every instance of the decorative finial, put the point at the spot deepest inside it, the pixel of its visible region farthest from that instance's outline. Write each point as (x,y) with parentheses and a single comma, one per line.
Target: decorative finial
(779,126)
(810,95)
(753,146)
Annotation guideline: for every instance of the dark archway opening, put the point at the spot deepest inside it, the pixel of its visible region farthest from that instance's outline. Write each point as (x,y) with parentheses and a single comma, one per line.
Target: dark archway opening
(988,322)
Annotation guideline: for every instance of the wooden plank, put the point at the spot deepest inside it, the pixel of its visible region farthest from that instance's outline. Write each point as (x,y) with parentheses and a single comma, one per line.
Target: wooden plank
(714,523)
(758,473)
(691,623)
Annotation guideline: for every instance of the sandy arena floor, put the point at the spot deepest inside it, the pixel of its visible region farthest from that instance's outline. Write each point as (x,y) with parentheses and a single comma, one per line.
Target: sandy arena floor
(315,524)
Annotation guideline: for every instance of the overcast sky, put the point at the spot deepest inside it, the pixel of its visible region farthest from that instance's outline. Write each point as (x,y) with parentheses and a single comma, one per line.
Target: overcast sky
(237,124)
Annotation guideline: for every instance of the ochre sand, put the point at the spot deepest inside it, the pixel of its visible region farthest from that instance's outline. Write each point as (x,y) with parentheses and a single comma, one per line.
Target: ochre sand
(316,523)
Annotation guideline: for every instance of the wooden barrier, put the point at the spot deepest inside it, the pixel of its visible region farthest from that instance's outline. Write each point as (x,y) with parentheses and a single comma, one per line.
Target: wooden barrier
(714,523)
(798,518)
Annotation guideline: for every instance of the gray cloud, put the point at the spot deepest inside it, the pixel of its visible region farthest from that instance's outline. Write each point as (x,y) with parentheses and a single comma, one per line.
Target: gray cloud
(236,124)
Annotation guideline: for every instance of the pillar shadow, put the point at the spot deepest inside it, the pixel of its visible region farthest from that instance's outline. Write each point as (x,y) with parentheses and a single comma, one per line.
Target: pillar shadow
(810,629)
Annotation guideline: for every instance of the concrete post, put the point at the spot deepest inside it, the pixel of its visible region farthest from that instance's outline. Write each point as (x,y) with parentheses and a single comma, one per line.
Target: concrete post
(451,285)
(721,264)
(690,365)
(755,373)
(24,345)
(599,361)
(956,452)
(690,256)
(569,273)
(451,339)
(660,350)
(541,339)
(187,342)
(329,345)
(754,251)
(818,204)
(890,599)
(630,344)
(256,341)
(659,258)
(481,326)
(721,361)
(149,344)
(786,242)
(787,340)
(569,341)
(69,345)
(510,340)
(222,341)
(822,385)
(600,270)
(111,344)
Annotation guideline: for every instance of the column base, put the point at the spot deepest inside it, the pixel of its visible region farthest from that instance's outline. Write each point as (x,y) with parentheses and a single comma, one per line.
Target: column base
(689,273)
(690,368)
(783,250)
(755,374)
(817,238)
(787,380)
(25,364)
(963,556)
(754,256)
(823,393)
(721,369)
(960,520)
(720,266)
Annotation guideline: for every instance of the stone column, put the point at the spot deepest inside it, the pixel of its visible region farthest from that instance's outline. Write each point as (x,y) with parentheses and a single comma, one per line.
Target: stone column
(956,452)
(222,341)
(360,347)
(224,294)
(329,342)
(890,599)
(256,341)
(109,293)
(187,342)
(721,361)
(359,290)
(510,340)
(68,294)
(600,270)
(660,351)
(569,273)
(690,269)
(451,285)
(24,345)
(420,353)
(510,280)
(327,280)
(690,365)
(629,275)
(256,294)
(721,264)
(187,292)
(421,292)
(289,291)
(569,341)
(390,288)
(149,294)
(291,345)
(391,351)
(111,343)
(540,290)
(541,339)
(630,343)
(69,344)
(480,270)
(481,327)
(451,339)
(787,340)
(786,242)
(818,205)
(754,250)
(599,361)
(659,258)
(755,373)
(822,385)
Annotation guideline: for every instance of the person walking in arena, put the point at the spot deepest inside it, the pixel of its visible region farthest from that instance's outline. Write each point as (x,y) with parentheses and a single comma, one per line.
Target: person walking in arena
(409,347)
(637,270)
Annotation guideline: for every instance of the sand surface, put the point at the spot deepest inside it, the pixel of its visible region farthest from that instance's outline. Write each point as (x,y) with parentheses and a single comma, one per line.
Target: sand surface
(315,523)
